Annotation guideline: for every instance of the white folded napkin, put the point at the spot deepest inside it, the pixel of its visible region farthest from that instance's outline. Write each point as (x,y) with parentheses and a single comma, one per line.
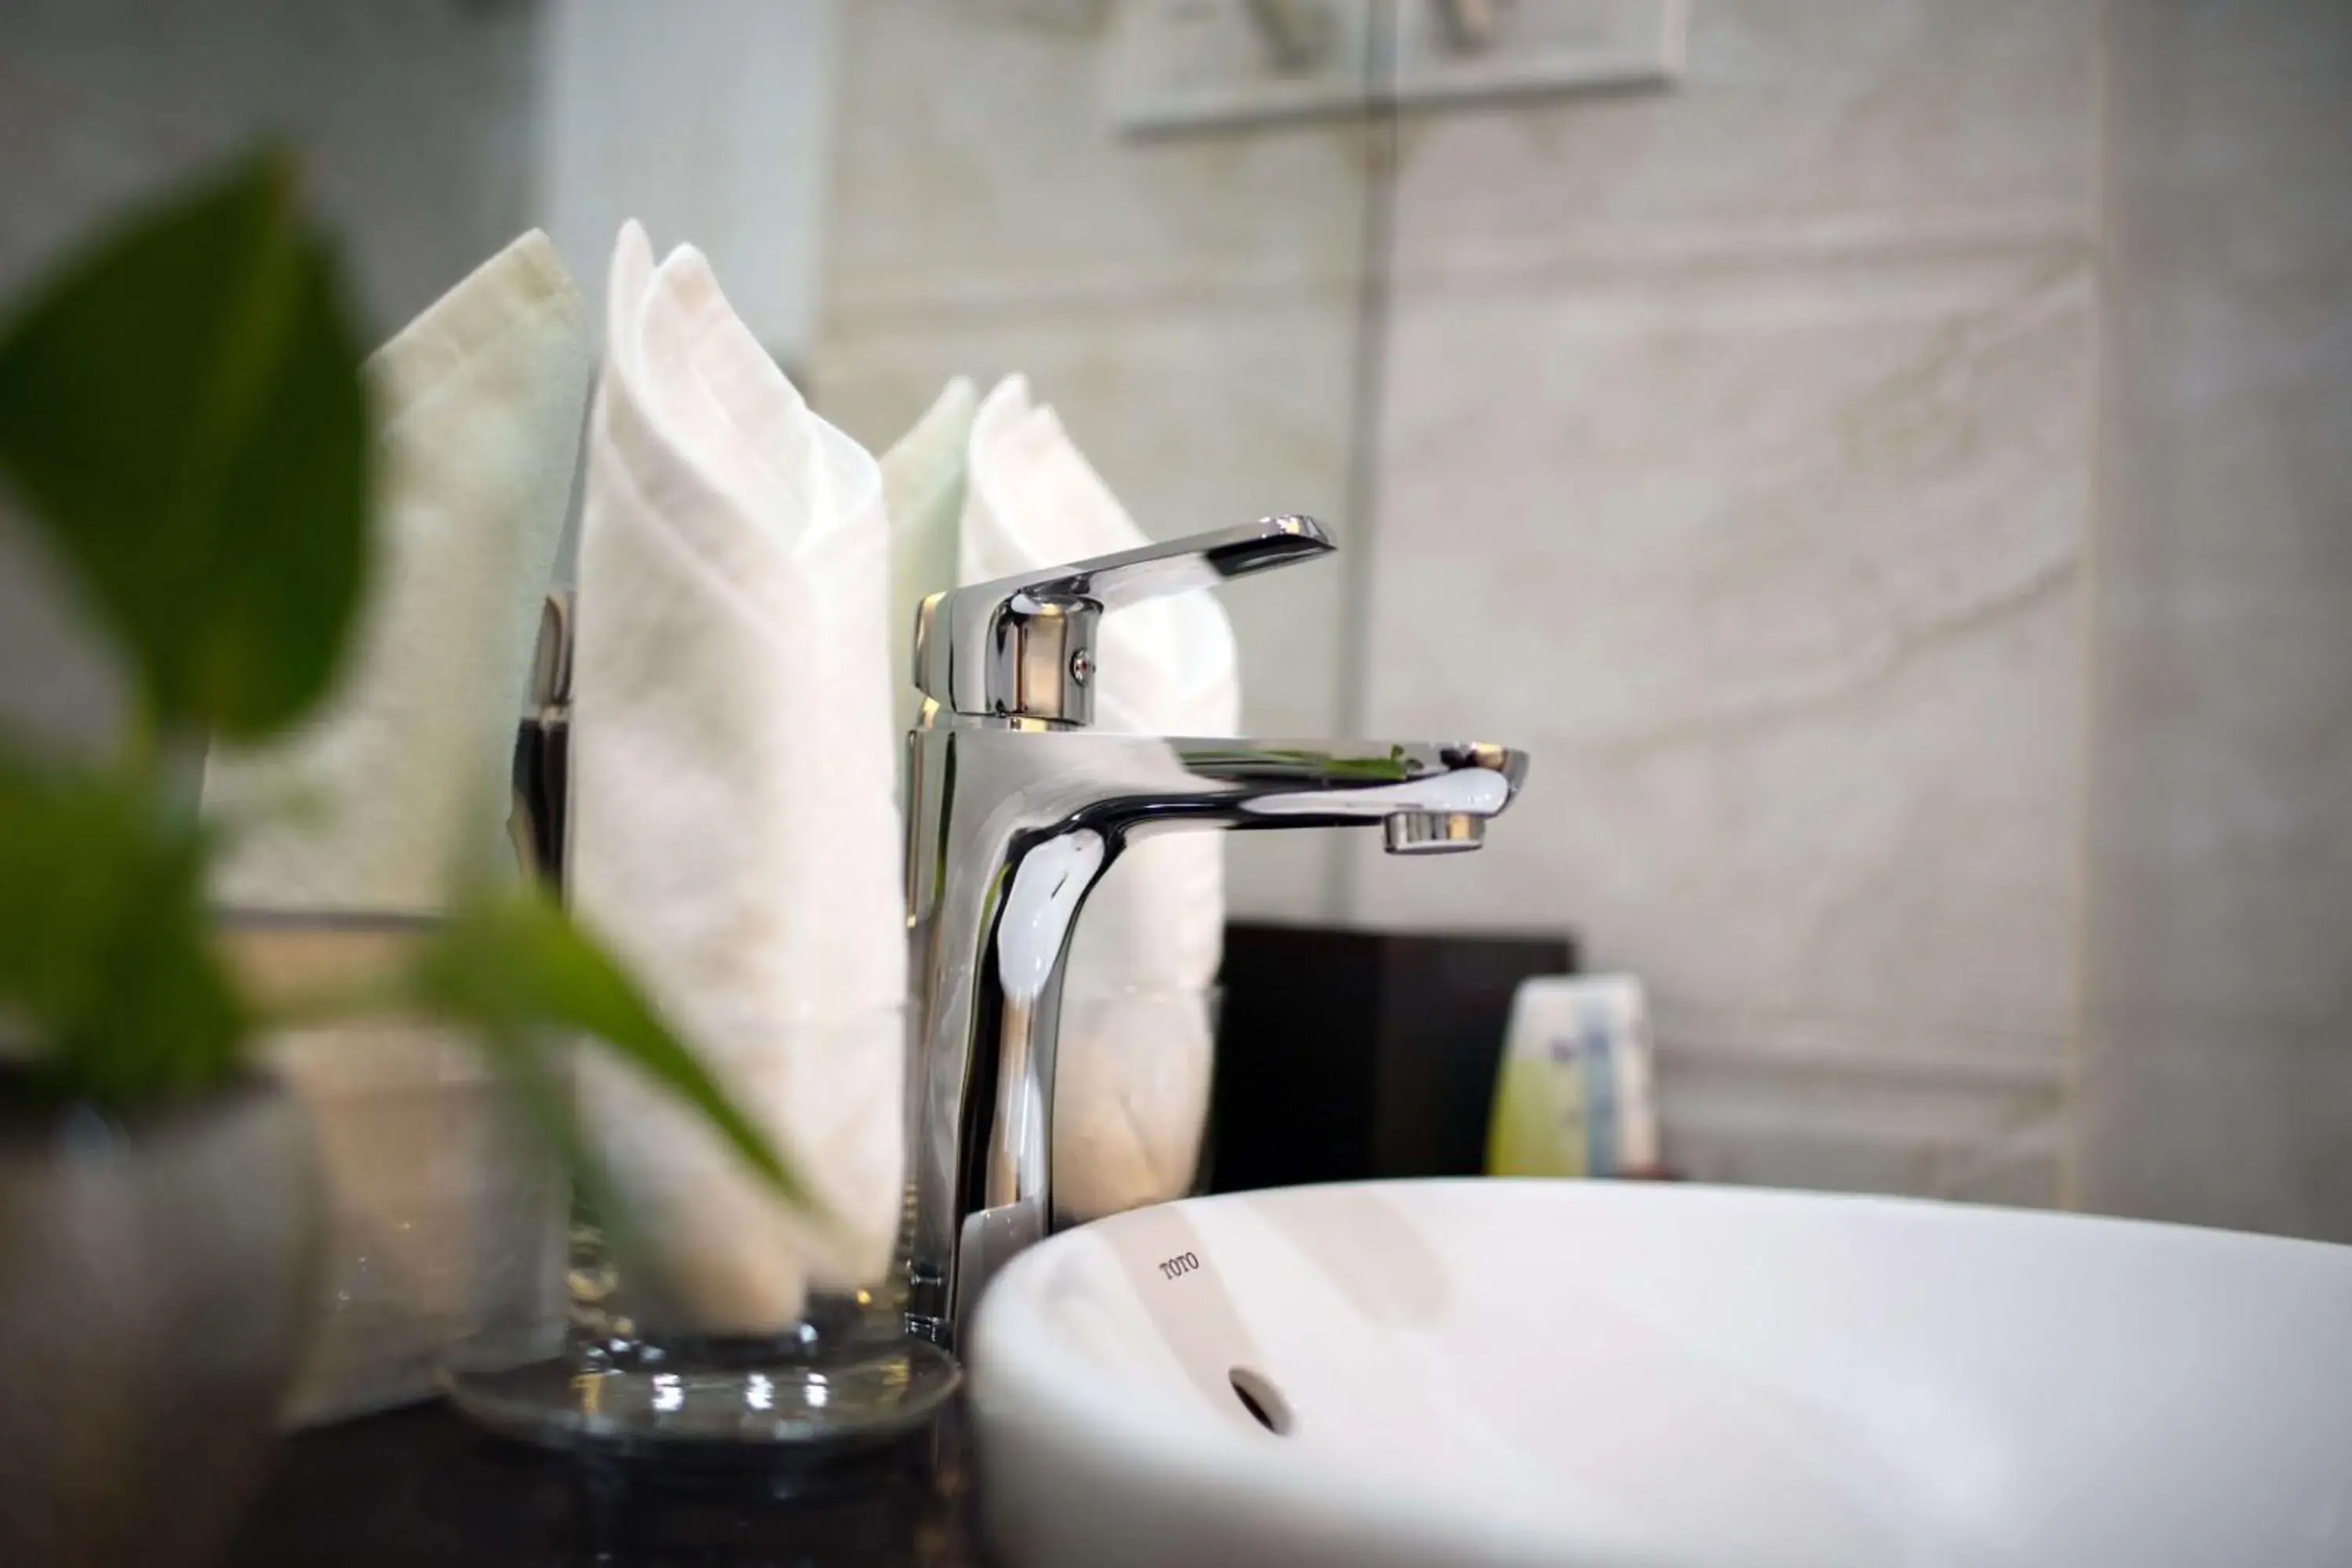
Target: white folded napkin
(404,777)
(922,489)
(1132,1081)
(732,826)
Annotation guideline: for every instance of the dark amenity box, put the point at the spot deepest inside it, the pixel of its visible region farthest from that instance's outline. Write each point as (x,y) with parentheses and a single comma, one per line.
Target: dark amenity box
(1345,1055)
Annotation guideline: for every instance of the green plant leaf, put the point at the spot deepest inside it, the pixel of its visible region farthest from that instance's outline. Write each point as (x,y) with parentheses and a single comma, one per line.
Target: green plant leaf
(105,955)
(514,966)
(181,407)
(545,1096)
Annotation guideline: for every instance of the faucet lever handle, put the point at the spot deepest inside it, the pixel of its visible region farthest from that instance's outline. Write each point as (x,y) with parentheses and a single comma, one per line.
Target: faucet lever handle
(1024,647)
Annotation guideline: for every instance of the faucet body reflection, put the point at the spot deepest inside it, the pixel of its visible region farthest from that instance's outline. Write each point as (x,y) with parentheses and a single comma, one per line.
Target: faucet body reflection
(1015,814)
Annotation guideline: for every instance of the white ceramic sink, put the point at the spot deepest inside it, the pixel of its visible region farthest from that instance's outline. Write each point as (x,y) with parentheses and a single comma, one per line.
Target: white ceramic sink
(1571,1373)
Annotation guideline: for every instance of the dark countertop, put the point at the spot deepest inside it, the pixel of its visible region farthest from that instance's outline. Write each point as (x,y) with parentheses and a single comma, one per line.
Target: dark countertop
(422,1486)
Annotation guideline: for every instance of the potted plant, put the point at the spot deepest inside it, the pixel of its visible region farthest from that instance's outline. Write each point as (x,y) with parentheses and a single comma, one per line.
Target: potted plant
(183,418)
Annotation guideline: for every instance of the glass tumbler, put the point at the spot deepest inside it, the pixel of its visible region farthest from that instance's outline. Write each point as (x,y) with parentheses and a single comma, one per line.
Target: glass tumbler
(701,1314)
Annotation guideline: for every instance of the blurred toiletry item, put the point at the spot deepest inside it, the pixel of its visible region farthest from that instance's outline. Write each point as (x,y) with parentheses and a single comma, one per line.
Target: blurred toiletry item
(1133,1086)
(441,1211)
(1574,1097)
(923,489)
(401,786)
(732,830)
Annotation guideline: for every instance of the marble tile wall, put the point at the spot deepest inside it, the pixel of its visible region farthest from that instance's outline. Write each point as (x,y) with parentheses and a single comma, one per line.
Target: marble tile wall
(1189,306)
(2217,1081)
(1957,764)
(1736,457)
(1894,483)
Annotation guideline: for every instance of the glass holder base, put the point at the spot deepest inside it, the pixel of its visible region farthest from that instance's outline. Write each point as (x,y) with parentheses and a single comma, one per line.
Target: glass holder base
(817,1398)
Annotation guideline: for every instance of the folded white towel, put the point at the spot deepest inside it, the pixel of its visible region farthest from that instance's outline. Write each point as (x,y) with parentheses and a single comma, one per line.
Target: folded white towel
(733,828)
(476,406)
(923,488)
(1132,1085)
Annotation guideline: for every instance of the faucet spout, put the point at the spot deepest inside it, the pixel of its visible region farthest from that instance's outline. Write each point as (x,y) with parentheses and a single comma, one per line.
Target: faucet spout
(1014,810)
(1010,829)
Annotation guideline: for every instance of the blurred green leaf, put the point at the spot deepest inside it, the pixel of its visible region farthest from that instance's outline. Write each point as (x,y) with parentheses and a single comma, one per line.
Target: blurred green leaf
(512,965)
(104,948)
(183,409)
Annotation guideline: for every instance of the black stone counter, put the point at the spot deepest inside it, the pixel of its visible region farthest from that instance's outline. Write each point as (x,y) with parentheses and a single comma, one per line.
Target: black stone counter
(422,1486)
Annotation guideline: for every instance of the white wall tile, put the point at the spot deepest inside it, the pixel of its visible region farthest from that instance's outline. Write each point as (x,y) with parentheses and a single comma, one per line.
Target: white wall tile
(979,169)
(2248,1126)
(1810,128)
(2218,1079)
(1737,460)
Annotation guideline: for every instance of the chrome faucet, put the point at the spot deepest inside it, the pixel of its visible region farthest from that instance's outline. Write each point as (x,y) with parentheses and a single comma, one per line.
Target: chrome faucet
(1014,811)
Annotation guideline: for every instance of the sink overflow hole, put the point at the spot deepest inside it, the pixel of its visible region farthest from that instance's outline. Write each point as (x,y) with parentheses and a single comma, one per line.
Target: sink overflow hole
(1261,1400)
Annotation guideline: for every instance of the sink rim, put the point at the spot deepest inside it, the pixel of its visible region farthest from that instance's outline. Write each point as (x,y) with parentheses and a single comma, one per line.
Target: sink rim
(1021,1388)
